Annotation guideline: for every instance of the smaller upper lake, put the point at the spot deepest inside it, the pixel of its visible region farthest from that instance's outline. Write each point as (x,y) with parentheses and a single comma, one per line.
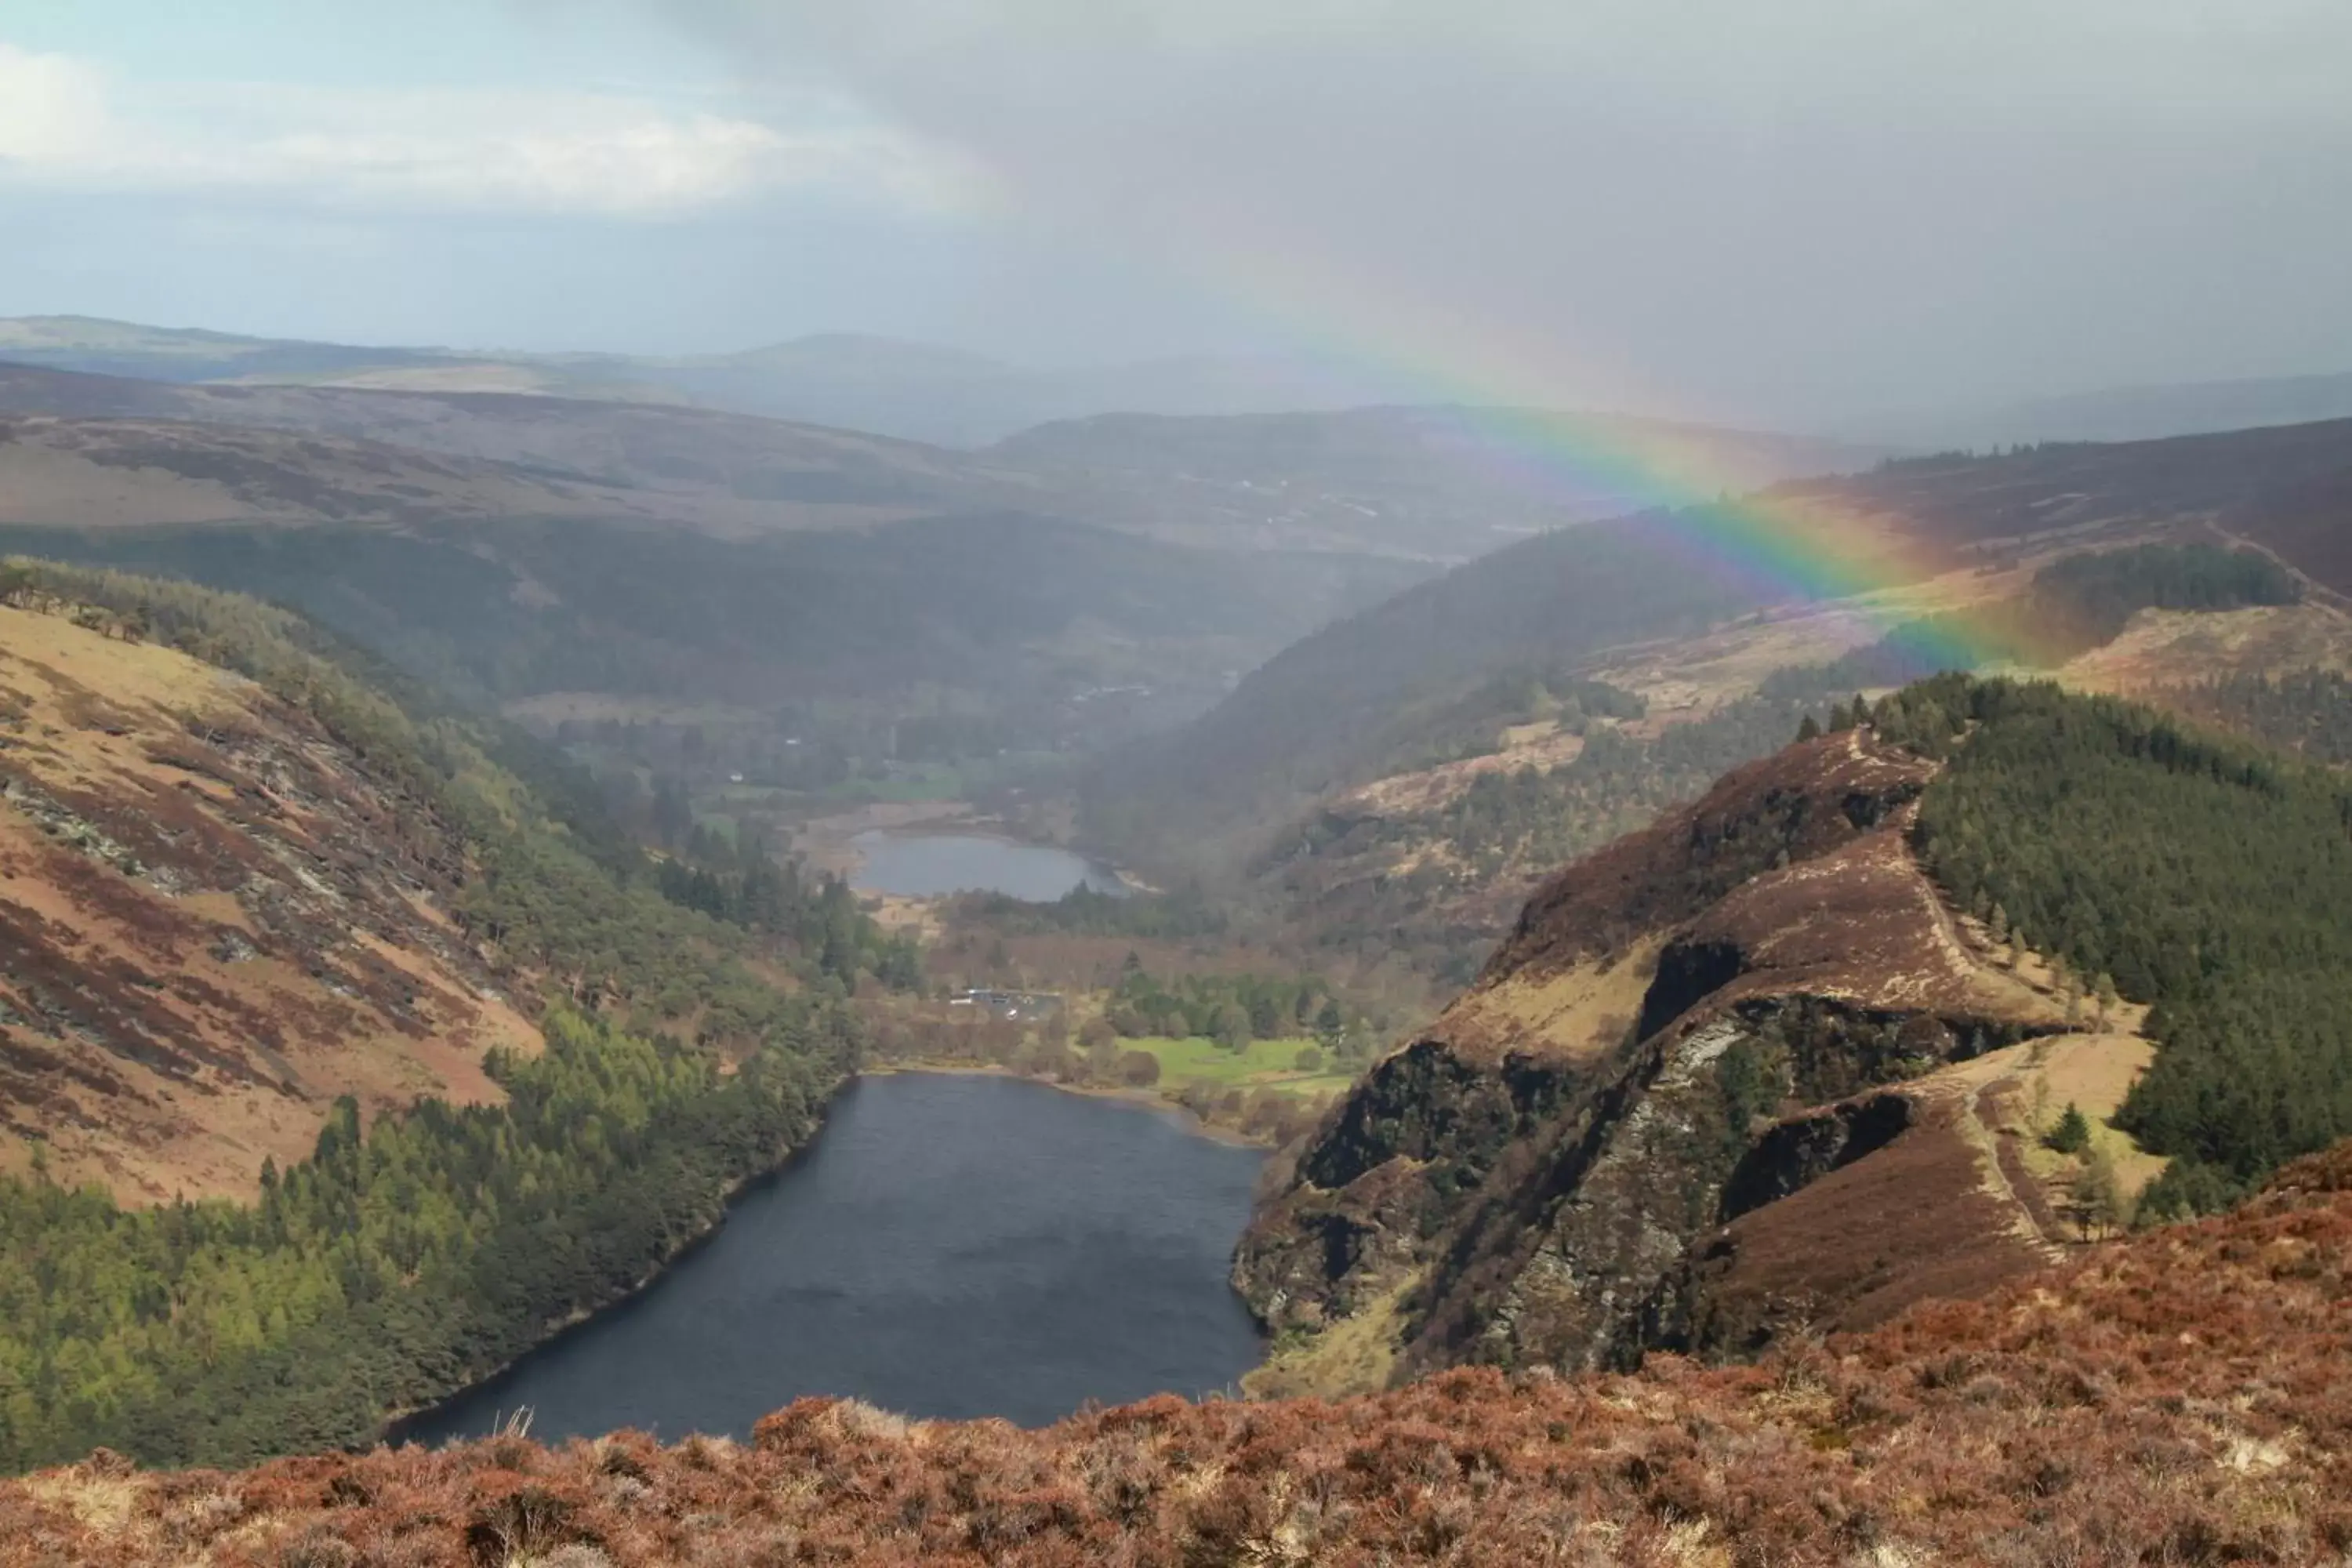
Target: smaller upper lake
(929,865)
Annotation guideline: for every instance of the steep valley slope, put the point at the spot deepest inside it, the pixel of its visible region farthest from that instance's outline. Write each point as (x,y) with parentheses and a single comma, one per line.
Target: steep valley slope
(215,919)
(1740,1075)
(1658,602)
(1428,865)
(1769,1079)
(346,1051)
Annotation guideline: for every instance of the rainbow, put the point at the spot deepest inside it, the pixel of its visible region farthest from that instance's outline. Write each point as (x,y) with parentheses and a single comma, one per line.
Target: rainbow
(1791,542)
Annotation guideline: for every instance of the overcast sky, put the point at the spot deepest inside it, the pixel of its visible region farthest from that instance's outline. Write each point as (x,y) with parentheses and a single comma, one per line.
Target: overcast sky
(1779,210)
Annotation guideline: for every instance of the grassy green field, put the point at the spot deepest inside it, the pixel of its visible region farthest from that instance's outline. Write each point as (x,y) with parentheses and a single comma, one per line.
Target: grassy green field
(1266,1063)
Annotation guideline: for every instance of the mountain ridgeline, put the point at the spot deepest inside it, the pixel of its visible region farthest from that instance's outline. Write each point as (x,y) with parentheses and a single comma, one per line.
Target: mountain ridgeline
(2074,604)
(1350,704)
(1773,1064)
(2201,876)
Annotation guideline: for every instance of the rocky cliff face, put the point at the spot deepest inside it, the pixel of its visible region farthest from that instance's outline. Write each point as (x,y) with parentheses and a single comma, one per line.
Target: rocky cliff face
(1609,1144)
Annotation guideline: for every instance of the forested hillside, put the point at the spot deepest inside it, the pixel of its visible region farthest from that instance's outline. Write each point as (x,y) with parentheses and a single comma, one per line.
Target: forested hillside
(2074,604)
(1009,613)
(2208,878)
(1325,713)
(1789,1060)
(1534,767)
(412,1253)
(1306,721)
(2307,711)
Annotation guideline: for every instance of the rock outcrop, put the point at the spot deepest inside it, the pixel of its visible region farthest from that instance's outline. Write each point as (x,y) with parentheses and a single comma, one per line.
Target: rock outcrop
(1705,1057)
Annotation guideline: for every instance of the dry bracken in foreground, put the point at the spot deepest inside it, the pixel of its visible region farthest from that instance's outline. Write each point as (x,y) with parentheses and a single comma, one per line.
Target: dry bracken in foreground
(2178,1398)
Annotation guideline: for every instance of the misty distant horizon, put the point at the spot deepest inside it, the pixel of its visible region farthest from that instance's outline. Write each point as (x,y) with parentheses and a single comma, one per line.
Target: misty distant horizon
(1790,221)
(1263,381)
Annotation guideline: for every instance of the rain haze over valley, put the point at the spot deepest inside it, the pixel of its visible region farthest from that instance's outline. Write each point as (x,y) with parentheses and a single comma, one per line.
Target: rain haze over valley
(1029,783)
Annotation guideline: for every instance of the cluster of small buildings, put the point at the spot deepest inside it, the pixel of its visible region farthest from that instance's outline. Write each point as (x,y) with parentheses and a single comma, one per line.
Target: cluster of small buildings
(1008,1003)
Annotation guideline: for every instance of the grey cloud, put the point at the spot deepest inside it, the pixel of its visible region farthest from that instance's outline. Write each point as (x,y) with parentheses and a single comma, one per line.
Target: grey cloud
(1773,210)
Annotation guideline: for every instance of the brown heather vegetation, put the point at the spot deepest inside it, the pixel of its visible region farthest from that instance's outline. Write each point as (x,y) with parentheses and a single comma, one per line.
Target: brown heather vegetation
(2178,1398)
(1692,1104)
(216,918)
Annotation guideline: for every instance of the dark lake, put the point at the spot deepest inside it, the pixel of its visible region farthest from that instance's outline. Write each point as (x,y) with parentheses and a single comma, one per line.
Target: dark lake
(951,1247)
(926,865)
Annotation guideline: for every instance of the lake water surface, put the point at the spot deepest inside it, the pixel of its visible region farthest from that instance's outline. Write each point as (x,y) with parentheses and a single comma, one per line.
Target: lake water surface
(928,865)
(953,1246)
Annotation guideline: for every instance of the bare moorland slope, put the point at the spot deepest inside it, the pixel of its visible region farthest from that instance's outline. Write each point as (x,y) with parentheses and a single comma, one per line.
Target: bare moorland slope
(457,454)
(1416,484)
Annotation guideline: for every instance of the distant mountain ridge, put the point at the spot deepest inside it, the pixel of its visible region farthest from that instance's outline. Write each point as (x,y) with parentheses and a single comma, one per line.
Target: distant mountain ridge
(889,386)
(1457,480)
(1424,485)
(1328,713)
(2141,413)
(708,470)
(956,397)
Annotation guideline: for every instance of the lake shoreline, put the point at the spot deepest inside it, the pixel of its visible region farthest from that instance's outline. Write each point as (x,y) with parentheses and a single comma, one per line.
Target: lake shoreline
(1142,1099)
(944,860)
(838,844)
(550,1385)
(391,1429)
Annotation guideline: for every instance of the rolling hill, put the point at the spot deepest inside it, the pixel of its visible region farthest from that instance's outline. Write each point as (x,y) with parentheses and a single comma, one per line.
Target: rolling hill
(1000,614)
(519,547)
(514,547)
(1444,483)
(2132,413)
(499,454)
(104,474)
(1635,603)
(1424,485)
(922,391)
